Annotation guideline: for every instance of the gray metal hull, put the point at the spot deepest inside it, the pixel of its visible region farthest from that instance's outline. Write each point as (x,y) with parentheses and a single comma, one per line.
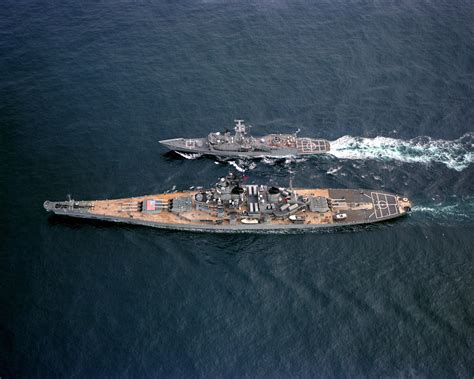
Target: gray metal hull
(239,228)
(175,145)
(245,154)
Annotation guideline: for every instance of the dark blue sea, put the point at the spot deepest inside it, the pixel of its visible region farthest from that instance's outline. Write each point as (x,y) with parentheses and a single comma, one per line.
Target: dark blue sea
(87,90)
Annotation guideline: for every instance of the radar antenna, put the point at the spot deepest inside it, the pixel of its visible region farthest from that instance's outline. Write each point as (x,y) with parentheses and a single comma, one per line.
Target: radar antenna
(240,127)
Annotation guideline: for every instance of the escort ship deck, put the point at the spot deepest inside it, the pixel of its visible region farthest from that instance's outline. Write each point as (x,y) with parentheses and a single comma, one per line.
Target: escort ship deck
(242,144)
(231,206)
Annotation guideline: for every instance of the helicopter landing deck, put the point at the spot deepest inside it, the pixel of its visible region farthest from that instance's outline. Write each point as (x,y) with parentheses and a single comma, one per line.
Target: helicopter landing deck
(311,146)
(385,205)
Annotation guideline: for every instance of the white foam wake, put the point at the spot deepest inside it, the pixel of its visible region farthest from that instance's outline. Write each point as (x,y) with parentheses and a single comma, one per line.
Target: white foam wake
(189,155)
(236,166)
(462,211)
(455,154)
(333,170)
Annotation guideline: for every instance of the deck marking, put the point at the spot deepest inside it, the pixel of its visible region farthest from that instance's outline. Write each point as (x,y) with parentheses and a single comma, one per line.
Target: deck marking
(309,145)
(384,205)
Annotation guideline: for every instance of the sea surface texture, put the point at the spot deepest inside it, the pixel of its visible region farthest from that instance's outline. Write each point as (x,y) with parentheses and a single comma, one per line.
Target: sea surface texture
(87,90)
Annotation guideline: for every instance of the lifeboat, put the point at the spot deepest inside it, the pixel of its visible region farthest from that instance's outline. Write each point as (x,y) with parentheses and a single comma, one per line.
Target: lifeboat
(249,221)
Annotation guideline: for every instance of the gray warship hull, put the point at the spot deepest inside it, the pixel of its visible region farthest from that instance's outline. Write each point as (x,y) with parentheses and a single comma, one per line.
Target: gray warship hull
(243,145)
(316,148)
(261,228)
(359,207)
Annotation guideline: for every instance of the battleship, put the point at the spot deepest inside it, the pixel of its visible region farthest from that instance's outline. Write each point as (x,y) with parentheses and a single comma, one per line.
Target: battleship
(233,206)
(243,145)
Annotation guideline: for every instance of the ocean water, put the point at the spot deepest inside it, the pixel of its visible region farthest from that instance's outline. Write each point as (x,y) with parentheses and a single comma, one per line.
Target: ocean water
(89,87)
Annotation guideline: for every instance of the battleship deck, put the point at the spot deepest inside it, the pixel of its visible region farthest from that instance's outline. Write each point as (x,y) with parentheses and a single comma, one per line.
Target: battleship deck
(358,206)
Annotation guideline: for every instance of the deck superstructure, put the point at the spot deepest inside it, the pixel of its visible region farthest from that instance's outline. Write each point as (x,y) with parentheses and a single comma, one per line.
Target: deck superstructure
(242,144)
(231,206)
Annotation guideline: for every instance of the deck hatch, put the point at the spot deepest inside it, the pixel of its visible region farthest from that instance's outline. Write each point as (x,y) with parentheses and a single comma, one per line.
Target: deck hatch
(318,204)
(182,204)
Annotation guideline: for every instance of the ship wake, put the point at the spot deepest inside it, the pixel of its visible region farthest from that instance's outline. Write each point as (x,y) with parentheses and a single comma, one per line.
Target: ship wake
(454,154)
(462,211)
(189,155)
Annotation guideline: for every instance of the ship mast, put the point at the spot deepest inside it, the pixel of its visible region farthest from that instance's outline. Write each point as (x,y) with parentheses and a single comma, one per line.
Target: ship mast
(240,130)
